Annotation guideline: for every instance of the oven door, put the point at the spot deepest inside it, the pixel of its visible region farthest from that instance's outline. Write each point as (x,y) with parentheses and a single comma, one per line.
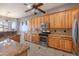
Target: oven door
(43,40)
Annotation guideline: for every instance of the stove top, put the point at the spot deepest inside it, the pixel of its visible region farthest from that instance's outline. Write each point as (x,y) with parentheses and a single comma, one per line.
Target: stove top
(44,33)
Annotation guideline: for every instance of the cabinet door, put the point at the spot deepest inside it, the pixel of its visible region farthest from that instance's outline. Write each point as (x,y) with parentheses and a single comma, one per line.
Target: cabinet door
(46,18)
(74,12)
(62,19)
(57,20)
(38,22)
(41,19)
(62,43)
(51,42)
(68,44)
(35,39)
(57,42)
(52,21)
(27,37)
(54,42)
(68,19)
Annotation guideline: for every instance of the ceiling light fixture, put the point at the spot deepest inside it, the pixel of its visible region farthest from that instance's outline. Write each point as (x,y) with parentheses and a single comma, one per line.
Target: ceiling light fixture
(29,6)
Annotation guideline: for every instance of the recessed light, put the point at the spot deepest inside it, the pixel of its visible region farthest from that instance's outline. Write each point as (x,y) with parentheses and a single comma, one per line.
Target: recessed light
(29,6)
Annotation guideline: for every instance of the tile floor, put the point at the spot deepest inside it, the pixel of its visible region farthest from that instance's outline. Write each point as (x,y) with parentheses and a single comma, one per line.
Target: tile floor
(37,50)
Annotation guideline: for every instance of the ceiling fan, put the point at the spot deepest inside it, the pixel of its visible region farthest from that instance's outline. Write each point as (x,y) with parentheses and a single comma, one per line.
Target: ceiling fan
(35,6)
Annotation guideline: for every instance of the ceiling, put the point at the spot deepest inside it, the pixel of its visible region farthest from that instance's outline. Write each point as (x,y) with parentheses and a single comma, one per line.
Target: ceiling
(17,10)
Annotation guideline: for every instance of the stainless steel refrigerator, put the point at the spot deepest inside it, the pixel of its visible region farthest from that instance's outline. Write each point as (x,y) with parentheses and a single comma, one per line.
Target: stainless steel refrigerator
(75,37)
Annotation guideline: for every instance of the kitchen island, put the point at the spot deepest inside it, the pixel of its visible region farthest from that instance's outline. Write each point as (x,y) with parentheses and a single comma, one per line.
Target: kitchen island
(10,47)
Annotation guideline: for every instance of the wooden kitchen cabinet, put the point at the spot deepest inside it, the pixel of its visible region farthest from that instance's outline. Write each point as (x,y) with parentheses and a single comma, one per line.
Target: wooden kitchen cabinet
(46,18)
(68,44)
(57,21)
(74,12)
(63,19)
(38,22)
(35,38)
(28,37)
(57,42)
(51,21)
(35,23)
(68,19)
(16,38)
(53,42)
(62,43)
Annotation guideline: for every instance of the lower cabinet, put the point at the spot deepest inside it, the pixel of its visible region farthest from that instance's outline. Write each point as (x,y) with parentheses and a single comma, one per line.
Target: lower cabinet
(16,38)
(68,45)
(27,37)
(35,38)
(32,38)
(62,43)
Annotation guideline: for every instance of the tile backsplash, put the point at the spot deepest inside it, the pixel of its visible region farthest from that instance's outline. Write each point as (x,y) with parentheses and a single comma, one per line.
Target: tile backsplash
(61,31)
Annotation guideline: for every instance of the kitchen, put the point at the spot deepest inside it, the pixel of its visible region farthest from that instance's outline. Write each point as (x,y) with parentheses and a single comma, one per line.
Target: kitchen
(47,26)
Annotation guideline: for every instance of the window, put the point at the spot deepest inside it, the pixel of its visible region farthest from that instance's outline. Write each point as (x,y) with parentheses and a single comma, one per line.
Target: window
(14,26)
(1,26)
(6,25)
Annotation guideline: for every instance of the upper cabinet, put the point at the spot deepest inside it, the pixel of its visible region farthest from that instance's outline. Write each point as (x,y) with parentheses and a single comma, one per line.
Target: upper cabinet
(74,12)
(68,19)
(46,18)
(63,19)
(57,20)
(52,21)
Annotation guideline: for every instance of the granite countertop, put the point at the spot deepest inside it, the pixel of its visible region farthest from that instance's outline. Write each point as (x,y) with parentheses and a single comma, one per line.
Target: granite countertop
(53,34)
(7,34)
(4,35)
(10,47)
(61,35)
(33,33)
